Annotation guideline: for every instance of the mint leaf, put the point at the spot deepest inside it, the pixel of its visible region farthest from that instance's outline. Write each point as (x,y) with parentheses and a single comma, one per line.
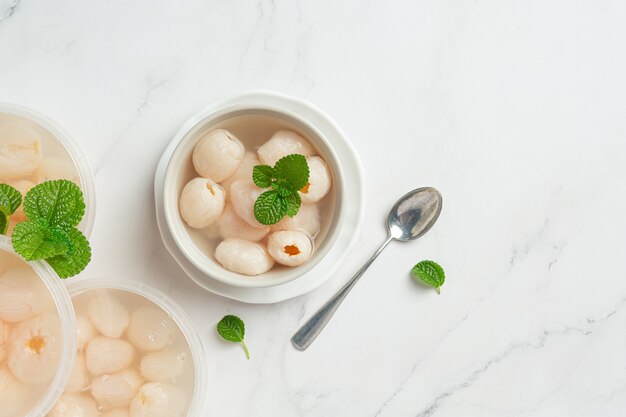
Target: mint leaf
(288,175)
(74,261)
(294,169)
(10,199)
(262,175)
(232,329)
(4,223)
(293,204)
(58,203)
(430,273)
(53,208)
(283,187)
(34,240)
(270,207)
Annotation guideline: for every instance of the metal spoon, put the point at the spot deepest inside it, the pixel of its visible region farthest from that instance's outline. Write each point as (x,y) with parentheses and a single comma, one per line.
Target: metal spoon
(412,216)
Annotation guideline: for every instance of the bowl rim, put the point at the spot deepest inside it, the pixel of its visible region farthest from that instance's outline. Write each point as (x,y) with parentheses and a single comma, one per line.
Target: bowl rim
(67,316)
(74,151)
(259,101)
(177,313)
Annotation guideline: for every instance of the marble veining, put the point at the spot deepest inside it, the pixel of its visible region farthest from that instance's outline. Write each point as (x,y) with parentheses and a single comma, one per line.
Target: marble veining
(122,136)
(9,9)
(513,110)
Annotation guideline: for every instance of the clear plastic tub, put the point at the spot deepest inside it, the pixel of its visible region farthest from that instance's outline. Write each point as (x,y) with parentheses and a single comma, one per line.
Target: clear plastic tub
(176,313)
(67,318)
(74,152)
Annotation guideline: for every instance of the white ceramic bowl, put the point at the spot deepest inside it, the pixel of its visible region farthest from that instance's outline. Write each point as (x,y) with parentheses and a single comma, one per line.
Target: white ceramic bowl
(177,314)
(79,161)
(276,111)
(67,317)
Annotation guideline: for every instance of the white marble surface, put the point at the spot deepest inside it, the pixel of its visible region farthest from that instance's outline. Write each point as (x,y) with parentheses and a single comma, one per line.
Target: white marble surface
(515,110)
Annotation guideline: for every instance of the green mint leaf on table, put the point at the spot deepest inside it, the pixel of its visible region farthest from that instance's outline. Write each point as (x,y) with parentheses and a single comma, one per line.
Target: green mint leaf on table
(35,240)
(232,329)
(288,175)
(270,207)
(294,169)
(10,199)
(74,261)
(262,175)
(431,273)
(58,202)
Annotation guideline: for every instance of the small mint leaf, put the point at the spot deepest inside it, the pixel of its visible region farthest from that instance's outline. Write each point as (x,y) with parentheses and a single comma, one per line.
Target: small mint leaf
(270,207)
(10,199)
(58,203)
(34,240)
(232,329)
(294,169)
(293,204)
(262,175)
(430,273)
(4,223)
(76,260)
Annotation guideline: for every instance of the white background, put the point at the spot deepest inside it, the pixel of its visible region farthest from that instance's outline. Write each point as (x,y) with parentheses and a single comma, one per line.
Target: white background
(515,110)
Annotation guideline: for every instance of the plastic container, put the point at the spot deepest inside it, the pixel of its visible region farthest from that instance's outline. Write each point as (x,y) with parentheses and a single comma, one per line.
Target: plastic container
(75,154)
(67,317)
(176,313)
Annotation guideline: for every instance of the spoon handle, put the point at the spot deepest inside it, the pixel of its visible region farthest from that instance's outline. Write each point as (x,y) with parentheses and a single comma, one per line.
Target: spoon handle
(313,327)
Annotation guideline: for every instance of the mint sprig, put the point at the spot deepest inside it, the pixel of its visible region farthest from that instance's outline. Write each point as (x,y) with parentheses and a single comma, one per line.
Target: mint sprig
(10,200)
(293,203)
(4,223)
(59,203)
(262,175)
(76,259)
(431,273)
(288,175)
(54,209)
(294,169)
(270,206)
(232,329)
(36,240)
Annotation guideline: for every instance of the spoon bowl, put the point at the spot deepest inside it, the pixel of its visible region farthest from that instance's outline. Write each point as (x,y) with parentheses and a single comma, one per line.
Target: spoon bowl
(414,214)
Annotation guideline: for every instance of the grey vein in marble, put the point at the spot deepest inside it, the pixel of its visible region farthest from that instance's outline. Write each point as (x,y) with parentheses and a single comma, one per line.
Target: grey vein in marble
(521,253)
(266,33)
(10,10)
(111,151)
(432,408)
(415,367)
